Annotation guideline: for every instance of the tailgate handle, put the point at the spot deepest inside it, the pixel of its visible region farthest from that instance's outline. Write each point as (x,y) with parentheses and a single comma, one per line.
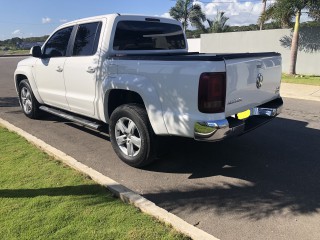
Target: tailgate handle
(259,64)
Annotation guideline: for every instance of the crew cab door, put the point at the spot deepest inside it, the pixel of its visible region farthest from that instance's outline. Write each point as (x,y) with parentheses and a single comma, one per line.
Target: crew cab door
(80,69)
(49,69)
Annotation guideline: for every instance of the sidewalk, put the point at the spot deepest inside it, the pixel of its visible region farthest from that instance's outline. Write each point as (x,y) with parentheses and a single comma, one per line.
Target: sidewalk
(300,91)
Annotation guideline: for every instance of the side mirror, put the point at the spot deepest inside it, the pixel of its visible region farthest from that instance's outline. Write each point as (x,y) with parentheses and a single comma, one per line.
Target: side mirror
(36,52)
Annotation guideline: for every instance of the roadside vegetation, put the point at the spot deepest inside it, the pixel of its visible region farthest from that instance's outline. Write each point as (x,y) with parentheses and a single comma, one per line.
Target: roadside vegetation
(301,79)
(42,199)
(283,11)
(14,52)
(16,45)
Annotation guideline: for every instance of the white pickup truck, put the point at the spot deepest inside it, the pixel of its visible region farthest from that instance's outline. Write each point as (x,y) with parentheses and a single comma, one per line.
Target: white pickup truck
(135,74)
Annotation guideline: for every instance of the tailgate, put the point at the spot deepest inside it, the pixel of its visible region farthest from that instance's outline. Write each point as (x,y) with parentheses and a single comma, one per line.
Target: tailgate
(251,81)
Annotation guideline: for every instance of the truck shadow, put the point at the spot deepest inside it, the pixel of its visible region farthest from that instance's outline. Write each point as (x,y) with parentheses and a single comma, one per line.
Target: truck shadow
(101,133)
(271,171)
(9,102)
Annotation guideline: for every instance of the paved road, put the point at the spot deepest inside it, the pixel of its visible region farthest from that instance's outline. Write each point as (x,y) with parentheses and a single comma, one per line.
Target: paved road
(263,185)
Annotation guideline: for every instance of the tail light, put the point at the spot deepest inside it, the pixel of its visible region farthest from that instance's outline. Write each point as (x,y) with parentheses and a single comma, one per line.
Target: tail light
(212,92)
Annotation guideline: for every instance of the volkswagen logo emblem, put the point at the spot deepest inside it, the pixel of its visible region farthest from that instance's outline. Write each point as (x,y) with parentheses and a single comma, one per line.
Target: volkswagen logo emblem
(259,80)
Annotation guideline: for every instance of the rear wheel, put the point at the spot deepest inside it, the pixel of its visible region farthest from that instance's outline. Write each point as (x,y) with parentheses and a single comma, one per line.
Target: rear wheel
(29,103)
(131,135)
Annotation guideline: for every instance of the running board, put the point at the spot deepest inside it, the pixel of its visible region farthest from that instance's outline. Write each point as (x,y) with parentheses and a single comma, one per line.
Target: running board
(72,118)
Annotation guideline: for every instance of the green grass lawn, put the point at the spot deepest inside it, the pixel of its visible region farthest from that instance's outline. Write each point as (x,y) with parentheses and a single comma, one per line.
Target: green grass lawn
(42,199)
(301,79)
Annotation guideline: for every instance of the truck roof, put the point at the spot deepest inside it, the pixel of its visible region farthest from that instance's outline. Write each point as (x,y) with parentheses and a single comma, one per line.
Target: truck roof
(116,15)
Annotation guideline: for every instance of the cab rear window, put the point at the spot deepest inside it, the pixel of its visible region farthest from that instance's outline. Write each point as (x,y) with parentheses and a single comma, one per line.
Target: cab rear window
(144,35)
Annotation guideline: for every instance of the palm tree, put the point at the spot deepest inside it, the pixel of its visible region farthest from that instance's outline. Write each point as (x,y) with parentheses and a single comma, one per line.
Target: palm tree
(314,12)
(283,11)
(218,24)
(280,11)
(261,20)
(186,11)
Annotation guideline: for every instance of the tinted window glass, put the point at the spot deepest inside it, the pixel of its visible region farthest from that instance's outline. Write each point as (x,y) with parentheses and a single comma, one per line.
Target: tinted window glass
(87,38)
(58,43)
(139,35)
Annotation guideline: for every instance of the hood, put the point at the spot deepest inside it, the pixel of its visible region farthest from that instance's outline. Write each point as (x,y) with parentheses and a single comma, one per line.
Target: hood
(27,62)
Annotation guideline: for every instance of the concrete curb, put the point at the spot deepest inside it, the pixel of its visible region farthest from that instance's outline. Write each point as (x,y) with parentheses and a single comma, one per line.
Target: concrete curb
(119,190)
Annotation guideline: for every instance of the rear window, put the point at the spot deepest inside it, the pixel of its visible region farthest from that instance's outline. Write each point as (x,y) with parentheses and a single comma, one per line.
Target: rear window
(139,35)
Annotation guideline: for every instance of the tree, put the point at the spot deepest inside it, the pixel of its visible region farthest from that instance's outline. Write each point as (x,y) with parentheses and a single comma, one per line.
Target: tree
(283,11)
(314,12)
(218,24)
(186,11)
(261,19)
(279,11)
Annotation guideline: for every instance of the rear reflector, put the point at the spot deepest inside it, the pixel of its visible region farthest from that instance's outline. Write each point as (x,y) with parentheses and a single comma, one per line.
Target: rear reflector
(212,92)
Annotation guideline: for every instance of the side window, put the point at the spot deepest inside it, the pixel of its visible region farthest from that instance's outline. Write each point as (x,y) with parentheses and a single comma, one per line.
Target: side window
(57,45)
(87,39)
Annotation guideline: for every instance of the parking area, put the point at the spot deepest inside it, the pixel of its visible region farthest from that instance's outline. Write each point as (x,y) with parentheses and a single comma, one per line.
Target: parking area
(265,183)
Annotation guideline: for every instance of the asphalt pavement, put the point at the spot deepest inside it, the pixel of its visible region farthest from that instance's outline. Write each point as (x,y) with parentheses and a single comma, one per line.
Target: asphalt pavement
(262,185)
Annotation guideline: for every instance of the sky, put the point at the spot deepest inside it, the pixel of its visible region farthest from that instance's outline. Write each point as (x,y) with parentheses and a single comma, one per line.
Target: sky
(32,18)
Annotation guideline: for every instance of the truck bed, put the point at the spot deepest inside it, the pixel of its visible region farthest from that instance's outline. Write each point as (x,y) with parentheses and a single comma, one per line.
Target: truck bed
(192,56)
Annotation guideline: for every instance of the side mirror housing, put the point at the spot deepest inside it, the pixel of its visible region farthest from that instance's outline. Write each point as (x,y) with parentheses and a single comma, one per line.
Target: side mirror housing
(36,52)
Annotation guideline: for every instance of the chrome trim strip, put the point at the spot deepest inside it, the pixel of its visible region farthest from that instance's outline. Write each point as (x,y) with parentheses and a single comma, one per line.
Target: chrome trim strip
(209,128)
(269,112)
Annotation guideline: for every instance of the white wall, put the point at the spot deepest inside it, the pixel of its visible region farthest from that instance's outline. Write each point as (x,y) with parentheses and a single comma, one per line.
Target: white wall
(267,41)
(194,44)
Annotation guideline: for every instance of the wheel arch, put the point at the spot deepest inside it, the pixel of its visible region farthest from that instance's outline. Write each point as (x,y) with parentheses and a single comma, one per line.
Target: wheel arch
(140,92)
(25,73)
(117,97)
(18,79)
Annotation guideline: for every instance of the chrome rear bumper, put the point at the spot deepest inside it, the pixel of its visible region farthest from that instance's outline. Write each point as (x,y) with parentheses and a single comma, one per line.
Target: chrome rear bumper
(224,128)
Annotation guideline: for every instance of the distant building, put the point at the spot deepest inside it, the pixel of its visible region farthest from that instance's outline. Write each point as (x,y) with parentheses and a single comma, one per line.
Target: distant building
(28,45)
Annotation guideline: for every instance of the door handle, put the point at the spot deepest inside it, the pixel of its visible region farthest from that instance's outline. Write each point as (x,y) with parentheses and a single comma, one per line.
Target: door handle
(59,69)
(91,70)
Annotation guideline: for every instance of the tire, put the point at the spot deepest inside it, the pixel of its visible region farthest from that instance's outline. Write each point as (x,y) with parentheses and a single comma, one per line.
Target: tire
(29,103)
(131,135)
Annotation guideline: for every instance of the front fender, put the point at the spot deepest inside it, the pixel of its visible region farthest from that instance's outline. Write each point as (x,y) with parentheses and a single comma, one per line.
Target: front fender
(27,72)
(148,93)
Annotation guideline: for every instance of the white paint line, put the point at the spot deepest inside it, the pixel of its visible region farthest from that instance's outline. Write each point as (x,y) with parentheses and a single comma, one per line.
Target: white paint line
(121,191)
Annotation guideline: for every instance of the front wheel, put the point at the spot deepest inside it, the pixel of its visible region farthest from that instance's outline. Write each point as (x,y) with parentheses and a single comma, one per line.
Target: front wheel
(29,103)
(131,135)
